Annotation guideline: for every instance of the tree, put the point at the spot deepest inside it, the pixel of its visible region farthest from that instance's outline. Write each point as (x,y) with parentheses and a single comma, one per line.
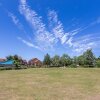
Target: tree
(47,60)
(89,58)
(65,60)
(98,63)
(80,60)
(10,57)
(75,60)
(56,61)
(17,60)
(17,64)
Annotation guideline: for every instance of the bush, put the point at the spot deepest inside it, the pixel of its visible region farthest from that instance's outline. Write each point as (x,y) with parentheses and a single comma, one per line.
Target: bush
(10,67)
(98,64)
(73,66)
(5,68)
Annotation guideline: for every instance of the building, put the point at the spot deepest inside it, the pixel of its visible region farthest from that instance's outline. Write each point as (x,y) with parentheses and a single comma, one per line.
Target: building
(35,62)
(7,63)
(24,62)
(1,59)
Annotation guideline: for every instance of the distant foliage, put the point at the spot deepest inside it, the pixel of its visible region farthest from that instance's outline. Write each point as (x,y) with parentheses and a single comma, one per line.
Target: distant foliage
(98,62)
(87,59)
(55,61)
(65,60)
(47,60)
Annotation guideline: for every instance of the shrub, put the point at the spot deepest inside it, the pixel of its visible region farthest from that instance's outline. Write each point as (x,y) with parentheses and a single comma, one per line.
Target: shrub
(73,66)
(98,64)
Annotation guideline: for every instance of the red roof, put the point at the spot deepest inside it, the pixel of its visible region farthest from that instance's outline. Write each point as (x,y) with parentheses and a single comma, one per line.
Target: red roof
(35,61)
(1,59)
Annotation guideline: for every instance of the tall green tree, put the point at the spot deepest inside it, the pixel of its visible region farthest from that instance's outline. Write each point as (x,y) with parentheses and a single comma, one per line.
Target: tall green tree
(75,60)
(47,60)
(80,60)
(56,61)
(10,57)
(65,60)
(89,58)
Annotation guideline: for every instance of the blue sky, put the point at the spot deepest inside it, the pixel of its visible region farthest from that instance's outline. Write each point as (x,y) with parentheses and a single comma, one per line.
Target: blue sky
(32,28)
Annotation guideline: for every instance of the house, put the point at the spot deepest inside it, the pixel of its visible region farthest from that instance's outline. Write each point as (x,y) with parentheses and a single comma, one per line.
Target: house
(1,59)
(35,62)
(24,62)
(4,62)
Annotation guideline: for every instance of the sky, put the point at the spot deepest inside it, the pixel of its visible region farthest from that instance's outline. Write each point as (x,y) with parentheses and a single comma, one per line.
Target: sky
(32,28)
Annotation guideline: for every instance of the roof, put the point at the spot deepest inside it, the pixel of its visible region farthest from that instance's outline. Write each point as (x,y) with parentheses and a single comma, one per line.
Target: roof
(8,62)
(34,60)
(1,59)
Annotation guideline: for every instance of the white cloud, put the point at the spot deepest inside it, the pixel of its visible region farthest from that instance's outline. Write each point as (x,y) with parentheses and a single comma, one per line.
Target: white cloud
(64,38)
(69,42)
(42,35)
(75,32)
(15,20)
(83,43)
(19,25)
(97,21)
(28,43)
(58,30)
(56,26)
(45,39)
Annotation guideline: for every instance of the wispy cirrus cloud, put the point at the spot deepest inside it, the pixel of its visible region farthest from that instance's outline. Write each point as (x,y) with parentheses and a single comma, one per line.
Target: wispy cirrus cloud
(97,21)
(30,44)
(41,33)
(15,20)
(83,43)
(45,38)
(19,25)
(57,28)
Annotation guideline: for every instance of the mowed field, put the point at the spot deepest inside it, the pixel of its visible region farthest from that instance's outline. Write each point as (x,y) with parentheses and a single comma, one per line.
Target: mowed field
(50,84)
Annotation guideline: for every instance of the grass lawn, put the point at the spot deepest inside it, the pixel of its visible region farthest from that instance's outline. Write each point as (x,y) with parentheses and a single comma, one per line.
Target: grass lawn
(50,84)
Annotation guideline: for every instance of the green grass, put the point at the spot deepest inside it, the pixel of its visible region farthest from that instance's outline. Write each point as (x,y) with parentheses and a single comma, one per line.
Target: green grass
(50,84)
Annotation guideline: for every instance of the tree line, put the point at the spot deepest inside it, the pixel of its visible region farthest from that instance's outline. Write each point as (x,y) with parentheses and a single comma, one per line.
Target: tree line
(87,59)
